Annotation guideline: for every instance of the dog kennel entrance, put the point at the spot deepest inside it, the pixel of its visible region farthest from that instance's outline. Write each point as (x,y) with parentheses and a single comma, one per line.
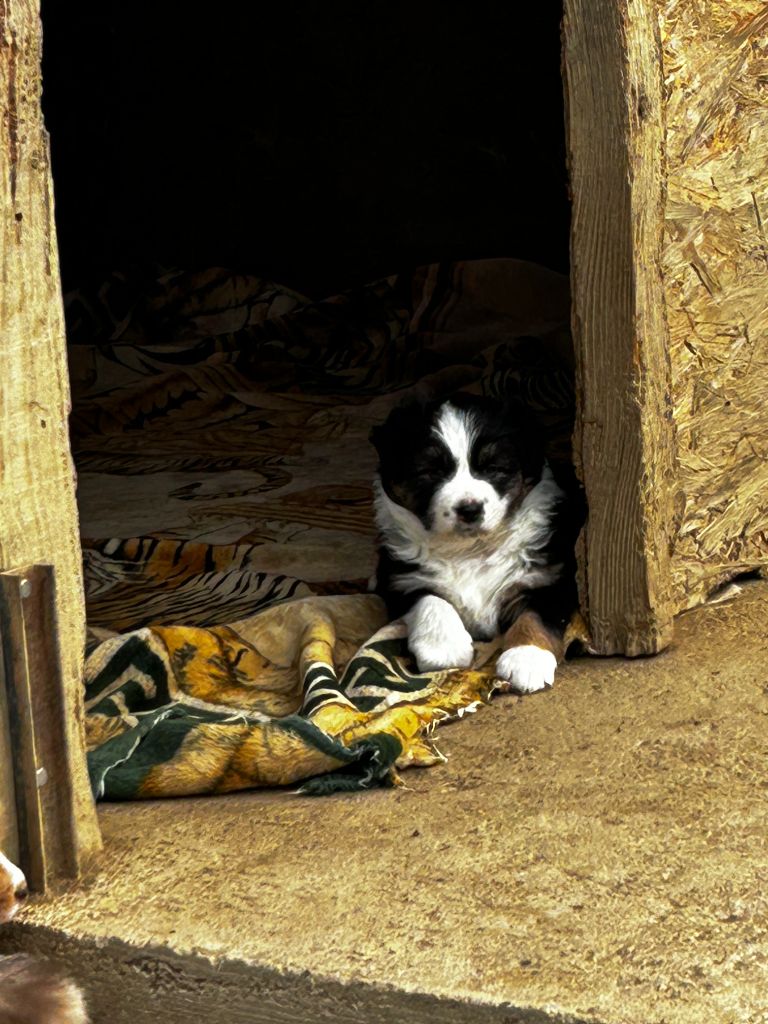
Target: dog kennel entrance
(348,150)
(616,347)
(348,156)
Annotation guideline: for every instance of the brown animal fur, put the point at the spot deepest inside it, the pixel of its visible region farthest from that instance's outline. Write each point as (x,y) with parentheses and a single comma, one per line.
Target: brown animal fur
(528,628)
(31,992)
(7,897)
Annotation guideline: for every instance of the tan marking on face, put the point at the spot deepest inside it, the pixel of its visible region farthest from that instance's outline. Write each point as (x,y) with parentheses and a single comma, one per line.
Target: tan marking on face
(529,629)
(7,898)
(11,879)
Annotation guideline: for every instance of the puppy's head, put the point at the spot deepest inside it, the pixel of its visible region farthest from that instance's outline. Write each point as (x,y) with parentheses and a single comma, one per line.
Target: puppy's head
(13,889)
(461,466)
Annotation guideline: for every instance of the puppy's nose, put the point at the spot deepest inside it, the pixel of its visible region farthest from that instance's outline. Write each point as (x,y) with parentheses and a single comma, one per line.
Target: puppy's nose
(469,511)
(21,893)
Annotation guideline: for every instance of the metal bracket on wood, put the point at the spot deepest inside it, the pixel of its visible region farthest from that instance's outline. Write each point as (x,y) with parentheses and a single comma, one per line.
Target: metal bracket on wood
(32,677)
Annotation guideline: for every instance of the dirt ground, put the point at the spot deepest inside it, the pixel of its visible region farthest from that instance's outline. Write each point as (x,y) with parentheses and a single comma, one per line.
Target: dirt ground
(596,852)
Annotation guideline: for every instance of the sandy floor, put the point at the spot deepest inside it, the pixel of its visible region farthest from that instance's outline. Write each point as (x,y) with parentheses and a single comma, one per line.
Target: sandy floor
(594,853)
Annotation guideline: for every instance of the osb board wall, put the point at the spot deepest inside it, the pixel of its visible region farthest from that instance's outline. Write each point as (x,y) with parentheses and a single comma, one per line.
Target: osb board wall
(715,265)
(38,518)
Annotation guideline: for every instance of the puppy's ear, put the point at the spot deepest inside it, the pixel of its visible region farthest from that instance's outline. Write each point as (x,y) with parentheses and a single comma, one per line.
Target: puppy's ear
(400,429)
(376,437)
(528,436)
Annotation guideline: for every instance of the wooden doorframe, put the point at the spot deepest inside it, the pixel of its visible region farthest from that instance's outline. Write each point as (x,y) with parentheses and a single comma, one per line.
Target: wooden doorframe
(38,515)
(624,440)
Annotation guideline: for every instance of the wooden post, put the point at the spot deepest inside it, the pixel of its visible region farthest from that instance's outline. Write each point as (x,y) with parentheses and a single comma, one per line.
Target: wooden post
(46,815)
(624,442)
(38,517)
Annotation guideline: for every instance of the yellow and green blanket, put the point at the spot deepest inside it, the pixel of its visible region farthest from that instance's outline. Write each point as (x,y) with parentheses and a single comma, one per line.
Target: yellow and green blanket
(220,431)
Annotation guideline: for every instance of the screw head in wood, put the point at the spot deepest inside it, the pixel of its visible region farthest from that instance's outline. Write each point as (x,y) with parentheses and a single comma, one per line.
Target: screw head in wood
(41,775)
(25,588)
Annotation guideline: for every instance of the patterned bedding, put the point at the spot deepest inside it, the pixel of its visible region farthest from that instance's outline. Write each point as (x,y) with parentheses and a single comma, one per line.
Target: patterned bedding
(219,431)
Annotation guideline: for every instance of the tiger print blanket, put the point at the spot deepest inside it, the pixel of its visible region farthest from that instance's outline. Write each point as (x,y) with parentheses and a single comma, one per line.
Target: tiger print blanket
(219,431)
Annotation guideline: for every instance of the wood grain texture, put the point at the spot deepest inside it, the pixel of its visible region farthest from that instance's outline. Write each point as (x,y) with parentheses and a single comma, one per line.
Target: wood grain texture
(715,264)
(9,828)
(14,653)
(38,517)
(624,444)
(48,833)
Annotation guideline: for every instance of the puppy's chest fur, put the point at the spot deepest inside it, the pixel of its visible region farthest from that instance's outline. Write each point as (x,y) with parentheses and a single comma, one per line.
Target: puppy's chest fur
(480,576)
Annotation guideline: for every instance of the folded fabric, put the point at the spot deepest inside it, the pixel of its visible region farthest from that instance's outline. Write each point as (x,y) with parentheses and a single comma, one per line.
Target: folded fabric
(297,693)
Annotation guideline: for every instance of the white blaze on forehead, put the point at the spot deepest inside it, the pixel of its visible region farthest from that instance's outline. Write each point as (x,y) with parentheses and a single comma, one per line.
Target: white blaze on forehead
(458,430)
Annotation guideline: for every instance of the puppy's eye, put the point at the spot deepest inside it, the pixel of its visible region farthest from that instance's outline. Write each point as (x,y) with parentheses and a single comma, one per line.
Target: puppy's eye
(430,470)
(494,458)
(489,454)
(433,462)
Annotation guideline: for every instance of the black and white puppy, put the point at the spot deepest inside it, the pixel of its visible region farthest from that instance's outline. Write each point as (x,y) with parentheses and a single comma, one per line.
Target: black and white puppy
(477,537)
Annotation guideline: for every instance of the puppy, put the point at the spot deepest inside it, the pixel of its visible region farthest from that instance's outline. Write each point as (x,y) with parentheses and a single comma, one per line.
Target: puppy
(31,992)
(477,537)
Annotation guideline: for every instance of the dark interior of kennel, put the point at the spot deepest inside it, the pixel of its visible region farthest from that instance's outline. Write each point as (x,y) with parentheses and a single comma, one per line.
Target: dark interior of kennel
(320,144)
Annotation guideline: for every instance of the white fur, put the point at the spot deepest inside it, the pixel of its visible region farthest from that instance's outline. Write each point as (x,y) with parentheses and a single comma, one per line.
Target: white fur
(437,637)
(457,430)
(528,668)
(73,1003)
(474,572)
(17,881)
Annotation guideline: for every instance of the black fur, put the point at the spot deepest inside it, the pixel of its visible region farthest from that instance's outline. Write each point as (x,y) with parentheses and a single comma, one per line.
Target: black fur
(509,454)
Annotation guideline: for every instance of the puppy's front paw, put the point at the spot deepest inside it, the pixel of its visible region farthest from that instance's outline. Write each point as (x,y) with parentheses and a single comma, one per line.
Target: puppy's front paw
(437,636)
(433,653)
(527,668)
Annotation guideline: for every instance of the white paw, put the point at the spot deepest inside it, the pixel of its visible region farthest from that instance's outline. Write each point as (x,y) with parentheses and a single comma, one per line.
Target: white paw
(527,668)
(433,654)
(437,637)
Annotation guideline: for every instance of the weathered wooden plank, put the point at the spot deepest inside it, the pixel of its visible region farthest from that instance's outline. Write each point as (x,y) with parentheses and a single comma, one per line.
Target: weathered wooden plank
(624,437)
(715,264)
(17,686)
(47,820)
(38,518)
(9,832)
